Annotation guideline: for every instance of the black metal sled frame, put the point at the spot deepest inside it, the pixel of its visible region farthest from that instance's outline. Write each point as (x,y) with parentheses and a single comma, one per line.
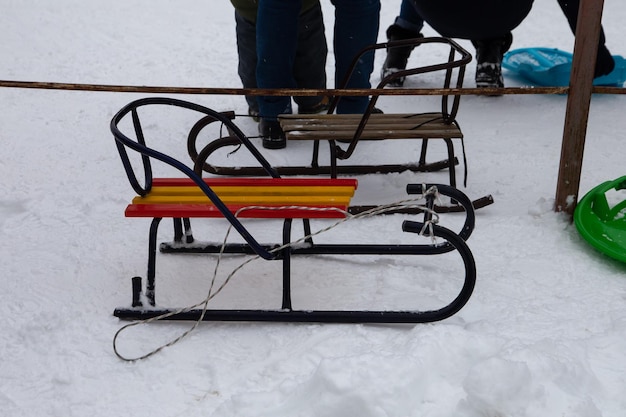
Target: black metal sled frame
(287,313)
(183,241)
(332,170)
(458,58)
(235,140)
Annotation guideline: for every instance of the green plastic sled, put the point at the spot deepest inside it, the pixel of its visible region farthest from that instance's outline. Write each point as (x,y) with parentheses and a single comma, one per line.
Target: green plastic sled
(603,225)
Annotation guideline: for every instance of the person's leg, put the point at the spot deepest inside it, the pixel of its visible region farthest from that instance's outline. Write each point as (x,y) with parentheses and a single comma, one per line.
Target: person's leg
(276,35)
(246,51)
(409,19)
(277,39)
(356,26)
(407,25)
(310,63)
(489,54)
(604,61)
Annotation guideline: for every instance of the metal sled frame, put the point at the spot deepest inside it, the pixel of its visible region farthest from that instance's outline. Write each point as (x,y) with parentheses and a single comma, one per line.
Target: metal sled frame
(183,239)
(454,68)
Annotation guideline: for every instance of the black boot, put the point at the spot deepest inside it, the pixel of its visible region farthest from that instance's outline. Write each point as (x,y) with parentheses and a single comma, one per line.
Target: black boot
(272,134)
(397,57)
(489,54)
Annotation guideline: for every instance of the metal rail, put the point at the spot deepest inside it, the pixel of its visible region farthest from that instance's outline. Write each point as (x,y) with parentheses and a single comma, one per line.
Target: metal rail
(297,91)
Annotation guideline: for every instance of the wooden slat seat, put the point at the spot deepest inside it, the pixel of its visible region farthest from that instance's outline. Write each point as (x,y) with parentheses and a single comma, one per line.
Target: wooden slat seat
(296,197)
(378,127)
(342,132)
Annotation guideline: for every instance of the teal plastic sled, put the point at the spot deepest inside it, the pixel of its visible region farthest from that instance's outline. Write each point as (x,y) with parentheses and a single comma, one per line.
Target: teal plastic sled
(551,67)
(601,224)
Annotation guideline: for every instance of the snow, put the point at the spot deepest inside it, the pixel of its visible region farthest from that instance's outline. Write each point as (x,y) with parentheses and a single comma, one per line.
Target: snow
(543,334)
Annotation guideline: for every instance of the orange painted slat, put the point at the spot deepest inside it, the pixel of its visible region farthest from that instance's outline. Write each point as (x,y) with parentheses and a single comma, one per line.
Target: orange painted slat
(271,190)
(259,182)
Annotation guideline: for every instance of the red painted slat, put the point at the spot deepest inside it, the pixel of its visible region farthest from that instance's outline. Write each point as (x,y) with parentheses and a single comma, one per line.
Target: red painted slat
(210,211)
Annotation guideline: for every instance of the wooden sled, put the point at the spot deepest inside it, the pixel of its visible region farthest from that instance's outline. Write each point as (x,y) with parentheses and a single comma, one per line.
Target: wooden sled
(343,132)
(189,196)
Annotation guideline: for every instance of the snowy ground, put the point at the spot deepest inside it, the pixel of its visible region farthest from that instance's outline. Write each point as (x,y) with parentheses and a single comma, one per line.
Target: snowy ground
(543,335)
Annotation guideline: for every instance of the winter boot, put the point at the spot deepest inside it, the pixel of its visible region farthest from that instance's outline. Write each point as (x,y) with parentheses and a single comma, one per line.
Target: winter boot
(489,54)
(272,134)
(397,57)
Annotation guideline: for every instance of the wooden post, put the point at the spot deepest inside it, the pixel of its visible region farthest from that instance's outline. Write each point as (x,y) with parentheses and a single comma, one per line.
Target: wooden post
(578,103)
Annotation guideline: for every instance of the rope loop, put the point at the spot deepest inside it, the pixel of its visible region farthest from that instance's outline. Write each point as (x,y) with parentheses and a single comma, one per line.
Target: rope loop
(432,216)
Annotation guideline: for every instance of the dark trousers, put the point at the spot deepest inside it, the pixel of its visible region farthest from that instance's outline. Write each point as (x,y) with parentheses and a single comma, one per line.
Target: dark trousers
(485,19)
(309,65)
(492,20)
(356,26)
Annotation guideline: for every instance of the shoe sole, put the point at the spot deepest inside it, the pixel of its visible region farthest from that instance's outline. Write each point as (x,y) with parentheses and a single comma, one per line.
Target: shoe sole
(274,144)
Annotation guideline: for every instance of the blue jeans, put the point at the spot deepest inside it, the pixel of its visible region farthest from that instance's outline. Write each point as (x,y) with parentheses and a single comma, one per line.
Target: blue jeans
(408,18)
(309,70)
(356,26)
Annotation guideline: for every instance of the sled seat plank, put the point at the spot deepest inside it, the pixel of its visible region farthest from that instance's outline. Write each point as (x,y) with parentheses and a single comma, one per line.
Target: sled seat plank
(249,197)
(378,127)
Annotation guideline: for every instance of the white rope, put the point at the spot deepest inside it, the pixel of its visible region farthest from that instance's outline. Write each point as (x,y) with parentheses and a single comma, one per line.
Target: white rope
(377,210)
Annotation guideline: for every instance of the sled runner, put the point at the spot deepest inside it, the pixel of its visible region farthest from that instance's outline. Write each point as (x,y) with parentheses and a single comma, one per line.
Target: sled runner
(552,67)
(603,223)
(343,132)
(189,196)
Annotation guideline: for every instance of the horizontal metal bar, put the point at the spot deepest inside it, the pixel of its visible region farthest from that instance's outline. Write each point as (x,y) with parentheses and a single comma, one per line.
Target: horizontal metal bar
(325,169)
(315,249)
(313,316)
(298,91)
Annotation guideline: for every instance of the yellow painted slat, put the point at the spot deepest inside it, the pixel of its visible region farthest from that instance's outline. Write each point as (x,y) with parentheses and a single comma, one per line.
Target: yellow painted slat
(245,200)
(223,191)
